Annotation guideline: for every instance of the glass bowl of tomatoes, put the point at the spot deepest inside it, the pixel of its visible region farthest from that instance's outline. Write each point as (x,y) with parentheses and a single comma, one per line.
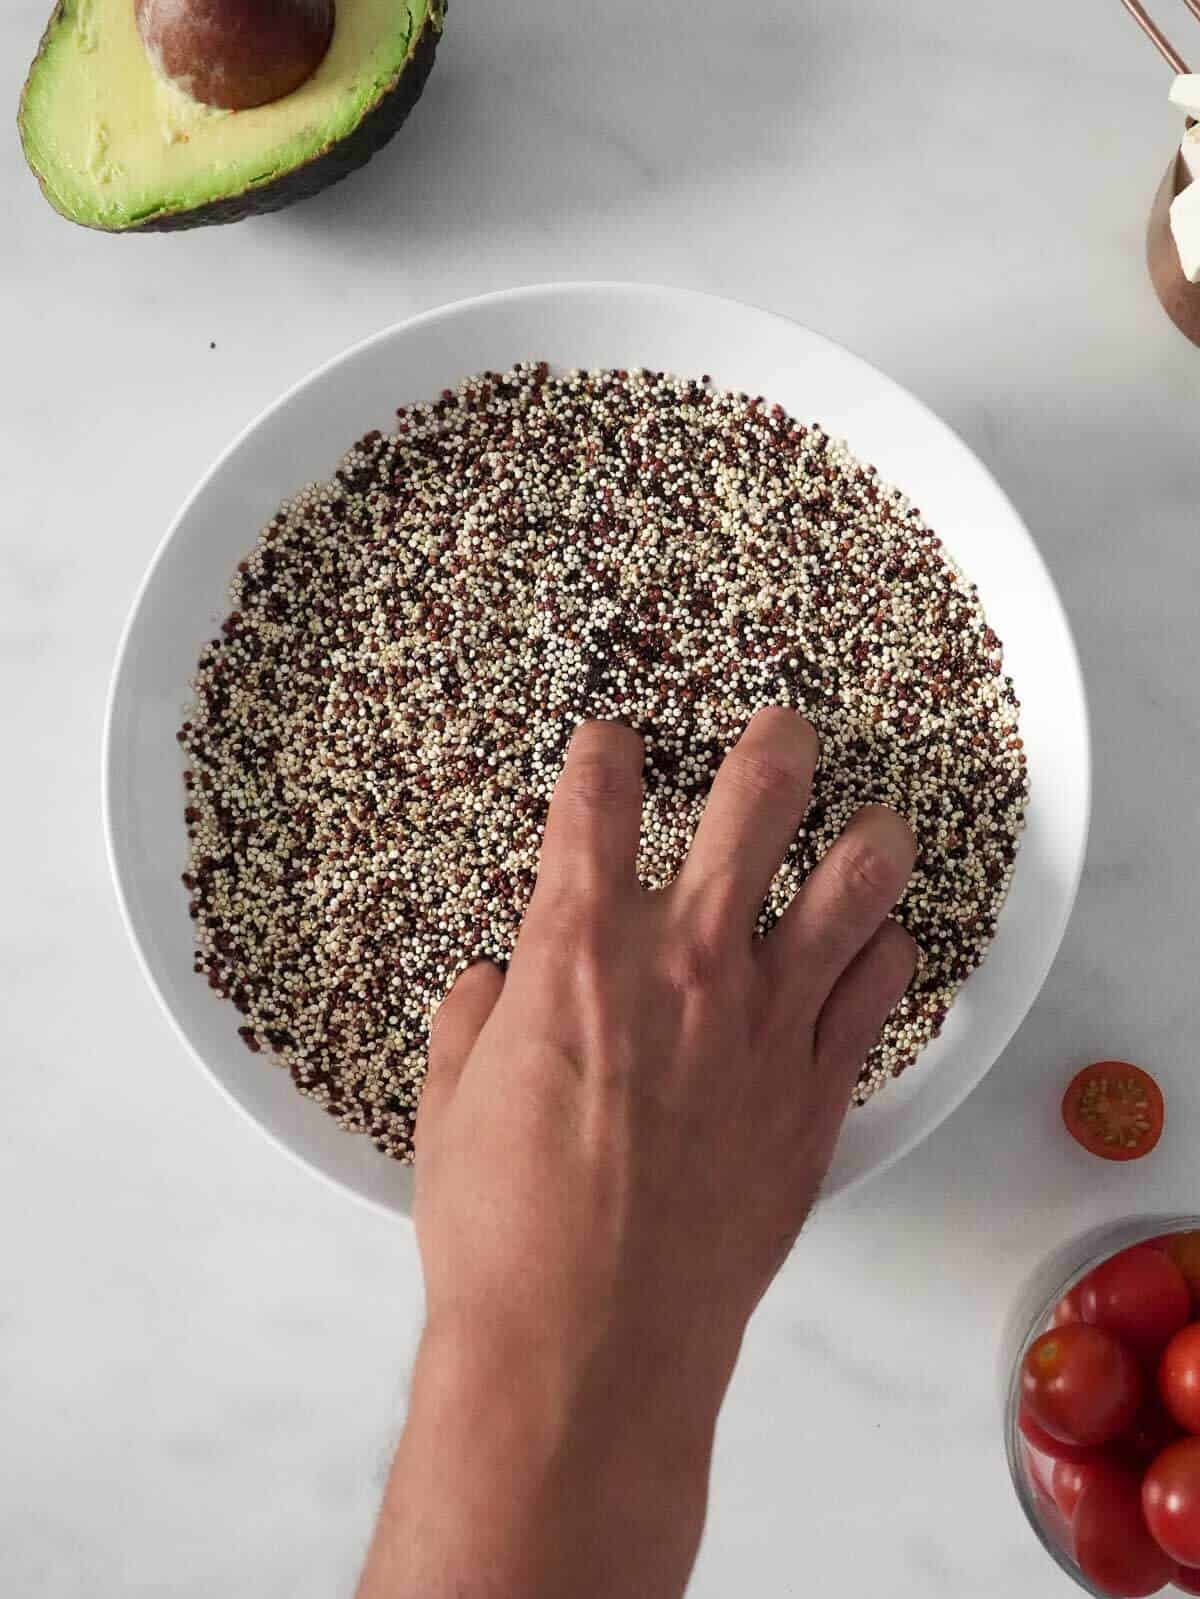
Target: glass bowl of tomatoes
(1103,1408)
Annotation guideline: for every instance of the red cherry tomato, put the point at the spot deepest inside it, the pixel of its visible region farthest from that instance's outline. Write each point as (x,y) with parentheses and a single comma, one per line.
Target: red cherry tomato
(1068,1309)
(1044,1443)
(1114,1110)
(1080,1384)
(1068,1480)
(1187,1579)
(1038,1469)
(1171,1501)
(1140,1296)
(1153,1429)
(1184,1250)
(1053,1523)
(1112,1541)
(1179,1378)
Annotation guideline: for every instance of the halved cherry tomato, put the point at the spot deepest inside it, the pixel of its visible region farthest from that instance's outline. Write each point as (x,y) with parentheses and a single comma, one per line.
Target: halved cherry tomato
(1179,1377)
(1184,1250)
(1140,1296)
(1112,1541)
(1080,1384)
(1114,1110)
(1171,1501)
(1068,1309)
(1187,1579)
(1068,1480)
(1044,1443)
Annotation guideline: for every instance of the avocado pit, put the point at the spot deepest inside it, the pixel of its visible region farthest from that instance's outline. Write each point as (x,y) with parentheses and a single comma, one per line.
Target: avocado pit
(235,54)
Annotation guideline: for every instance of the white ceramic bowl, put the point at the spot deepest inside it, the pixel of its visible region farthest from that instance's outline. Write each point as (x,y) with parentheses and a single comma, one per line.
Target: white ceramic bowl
(301,438)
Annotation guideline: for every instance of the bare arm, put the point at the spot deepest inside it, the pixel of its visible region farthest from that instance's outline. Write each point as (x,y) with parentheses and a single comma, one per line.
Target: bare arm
(619,1142)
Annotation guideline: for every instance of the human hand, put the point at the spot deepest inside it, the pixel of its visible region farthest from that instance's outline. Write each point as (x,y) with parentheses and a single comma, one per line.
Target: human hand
(618,1144)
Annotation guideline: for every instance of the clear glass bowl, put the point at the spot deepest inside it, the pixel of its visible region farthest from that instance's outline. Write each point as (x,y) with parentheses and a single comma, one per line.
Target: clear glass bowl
(1030,1318)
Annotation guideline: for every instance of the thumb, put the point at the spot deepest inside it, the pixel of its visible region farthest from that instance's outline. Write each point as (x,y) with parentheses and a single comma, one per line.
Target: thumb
(457,1023)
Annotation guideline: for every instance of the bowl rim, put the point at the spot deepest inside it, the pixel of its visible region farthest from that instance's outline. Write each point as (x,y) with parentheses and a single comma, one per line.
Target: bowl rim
(965,1081)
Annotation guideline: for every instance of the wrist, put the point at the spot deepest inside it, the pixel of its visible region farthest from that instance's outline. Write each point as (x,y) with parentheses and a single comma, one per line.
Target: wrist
(614,1405)
(522,1463)
(561,1424)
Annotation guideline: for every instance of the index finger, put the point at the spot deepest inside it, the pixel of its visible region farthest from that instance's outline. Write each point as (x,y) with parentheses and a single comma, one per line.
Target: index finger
(595,818)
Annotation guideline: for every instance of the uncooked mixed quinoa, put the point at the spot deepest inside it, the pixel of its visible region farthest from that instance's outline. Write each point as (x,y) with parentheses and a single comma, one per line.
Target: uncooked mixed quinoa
(375,735)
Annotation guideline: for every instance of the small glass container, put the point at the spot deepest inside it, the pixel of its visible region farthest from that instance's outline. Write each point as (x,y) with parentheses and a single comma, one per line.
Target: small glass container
(1056,1277)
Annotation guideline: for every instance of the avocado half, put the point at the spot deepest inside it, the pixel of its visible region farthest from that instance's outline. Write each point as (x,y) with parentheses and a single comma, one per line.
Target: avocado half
(115,146)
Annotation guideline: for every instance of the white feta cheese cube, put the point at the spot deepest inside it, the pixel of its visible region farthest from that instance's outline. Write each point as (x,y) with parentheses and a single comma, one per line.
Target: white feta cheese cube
(1185,92)
(1185,228)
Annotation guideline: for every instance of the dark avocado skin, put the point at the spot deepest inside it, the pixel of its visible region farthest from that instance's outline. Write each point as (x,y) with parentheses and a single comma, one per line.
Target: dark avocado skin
(328,166)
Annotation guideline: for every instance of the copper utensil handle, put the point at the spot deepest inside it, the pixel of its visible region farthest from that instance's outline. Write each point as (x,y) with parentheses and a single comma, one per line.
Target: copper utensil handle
(1155,34)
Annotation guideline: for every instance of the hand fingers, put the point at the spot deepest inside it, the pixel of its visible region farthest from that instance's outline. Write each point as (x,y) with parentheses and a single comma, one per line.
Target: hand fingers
(757,802)
(862,999)
(595,818)
(456,1025)
(849,1024)
(843,903)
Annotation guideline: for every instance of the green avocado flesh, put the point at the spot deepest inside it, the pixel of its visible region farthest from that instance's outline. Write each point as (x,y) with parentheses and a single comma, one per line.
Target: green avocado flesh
(116,146)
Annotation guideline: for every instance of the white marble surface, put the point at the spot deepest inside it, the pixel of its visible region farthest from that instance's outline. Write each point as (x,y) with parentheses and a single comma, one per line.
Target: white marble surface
(202,1349)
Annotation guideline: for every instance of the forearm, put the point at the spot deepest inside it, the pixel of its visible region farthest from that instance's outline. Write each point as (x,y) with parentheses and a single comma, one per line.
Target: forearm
(509,1483)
